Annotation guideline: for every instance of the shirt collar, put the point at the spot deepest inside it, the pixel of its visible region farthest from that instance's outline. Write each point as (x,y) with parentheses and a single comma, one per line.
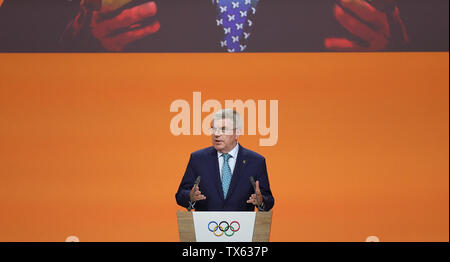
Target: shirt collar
(233,152)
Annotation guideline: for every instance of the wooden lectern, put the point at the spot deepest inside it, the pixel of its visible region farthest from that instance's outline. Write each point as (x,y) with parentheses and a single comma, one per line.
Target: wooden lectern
(261,231)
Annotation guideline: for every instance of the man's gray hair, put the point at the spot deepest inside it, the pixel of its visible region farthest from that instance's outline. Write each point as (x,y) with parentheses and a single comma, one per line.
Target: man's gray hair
(231,114)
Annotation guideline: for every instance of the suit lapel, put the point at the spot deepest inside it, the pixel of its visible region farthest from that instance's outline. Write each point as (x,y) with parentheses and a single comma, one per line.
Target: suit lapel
(238,169)
(216,173)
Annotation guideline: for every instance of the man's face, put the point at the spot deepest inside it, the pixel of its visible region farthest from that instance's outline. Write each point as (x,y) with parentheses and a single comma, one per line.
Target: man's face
(224,137)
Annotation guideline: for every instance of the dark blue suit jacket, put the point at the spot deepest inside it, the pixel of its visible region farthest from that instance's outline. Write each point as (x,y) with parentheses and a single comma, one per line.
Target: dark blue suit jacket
(205,163)
(190,26)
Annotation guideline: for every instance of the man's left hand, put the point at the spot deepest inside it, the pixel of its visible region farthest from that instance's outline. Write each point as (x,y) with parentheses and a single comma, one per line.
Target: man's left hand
(256,199)
(375,31)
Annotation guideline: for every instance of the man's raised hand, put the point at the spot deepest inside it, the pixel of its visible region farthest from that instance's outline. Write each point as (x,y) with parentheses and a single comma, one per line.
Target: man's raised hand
(117,32)
(256,199)
(196,195)
(375,30)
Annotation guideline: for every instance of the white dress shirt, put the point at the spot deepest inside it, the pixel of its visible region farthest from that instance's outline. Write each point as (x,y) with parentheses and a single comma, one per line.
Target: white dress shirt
(231,160)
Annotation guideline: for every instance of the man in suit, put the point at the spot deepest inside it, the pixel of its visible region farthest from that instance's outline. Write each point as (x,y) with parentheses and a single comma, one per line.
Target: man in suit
(225,169)
(205,26)
(240,25)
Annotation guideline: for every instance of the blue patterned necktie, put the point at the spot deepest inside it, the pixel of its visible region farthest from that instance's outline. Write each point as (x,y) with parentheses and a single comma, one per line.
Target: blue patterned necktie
(226,174)
(236,19)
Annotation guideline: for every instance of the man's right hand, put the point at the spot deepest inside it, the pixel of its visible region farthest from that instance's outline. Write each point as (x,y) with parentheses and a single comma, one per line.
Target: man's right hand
(128,23)
(196,195)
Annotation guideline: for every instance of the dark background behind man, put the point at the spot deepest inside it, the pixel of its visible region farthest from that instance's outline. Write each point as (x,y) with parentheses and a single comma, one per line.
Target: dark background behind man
(189,26)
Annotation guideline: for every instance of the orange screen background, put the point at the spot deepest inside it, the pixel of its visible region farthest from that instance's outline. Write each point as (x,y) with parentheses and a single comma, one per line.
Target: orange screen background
(86,149)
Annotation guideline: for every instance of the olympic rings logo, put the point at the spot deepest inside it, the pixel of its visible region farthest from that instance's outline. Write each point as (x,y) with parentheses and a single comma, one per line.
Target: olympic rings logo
(224,228)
